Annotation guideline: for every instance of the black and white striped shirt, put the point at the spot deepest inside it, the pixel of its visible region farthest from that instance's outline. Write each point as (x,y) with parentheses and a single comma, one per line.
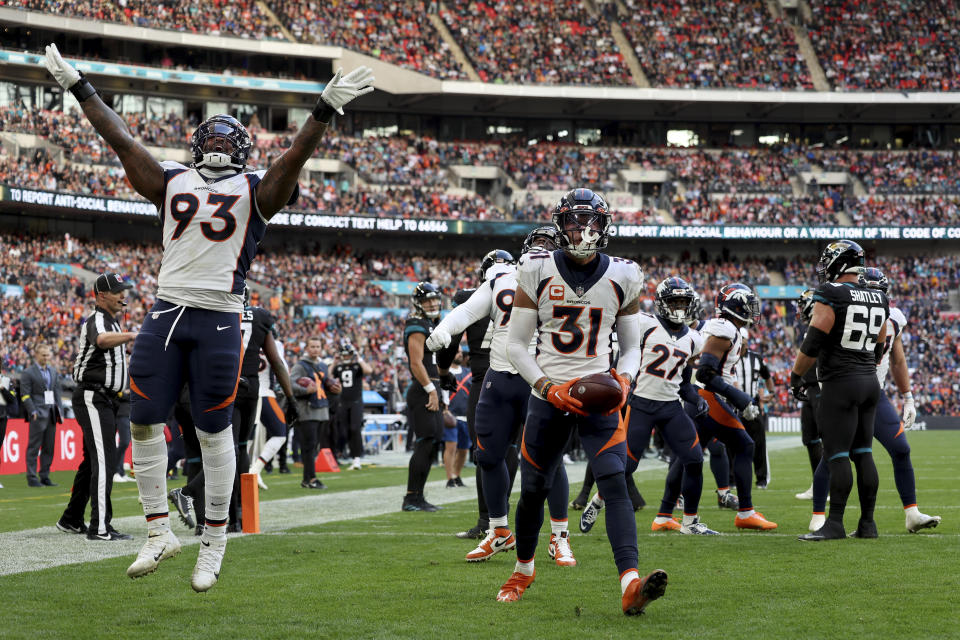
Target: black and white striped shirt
(751,372)
(100,366)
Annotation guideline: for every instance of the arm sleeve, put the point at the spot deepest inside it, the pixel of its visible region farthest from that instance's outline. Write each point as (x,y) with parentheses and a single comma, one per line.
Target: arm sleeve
(688,391)
(477,307)
(628,335)
(523,322)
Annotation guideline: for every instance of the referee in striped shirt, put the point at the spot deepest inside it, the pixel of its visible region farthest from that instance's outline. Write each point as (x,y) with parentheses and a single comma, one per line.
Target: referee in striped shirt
(756,381)
(101,375)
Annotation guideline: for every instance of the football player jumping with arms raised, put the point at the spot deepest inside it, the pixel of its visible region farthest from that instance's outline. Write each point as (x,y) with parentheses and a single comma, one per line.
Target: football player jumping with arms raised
(575,295)
(213,216)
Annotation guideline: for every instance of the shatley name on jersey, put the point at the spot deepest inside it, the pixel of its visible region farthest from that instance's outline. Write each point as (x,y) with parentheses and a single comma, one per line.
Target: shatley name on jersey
(863,295)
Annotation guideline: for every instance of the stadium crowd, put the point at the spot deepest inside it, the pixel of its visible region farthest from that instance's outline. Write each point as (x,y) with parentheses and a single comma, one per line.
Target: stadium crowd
(547,42)
(407,176)
(715,44)
(887,45)
(238,18)
(396,32)
(53,304)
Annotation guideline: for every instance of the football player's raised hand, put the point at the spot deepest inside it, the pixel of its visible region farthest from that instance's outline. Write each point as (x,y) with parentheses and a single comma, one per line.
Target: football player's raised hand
(909,412)
(438,339)
(343,88)
(65,75)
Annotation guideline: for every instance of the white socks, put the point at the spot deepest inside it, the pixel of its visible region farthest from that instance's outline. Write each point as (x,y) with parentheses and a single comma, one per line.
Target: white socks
(628,576)
(689,520)
(526,568)
(745,514)
(150,466)
(498,523)
(219,468)
(558,526)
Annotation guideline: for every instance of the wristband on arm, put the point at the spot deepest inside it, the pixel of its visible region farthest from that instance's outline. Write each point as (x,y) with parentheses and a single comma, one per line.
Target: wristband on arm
(82,89)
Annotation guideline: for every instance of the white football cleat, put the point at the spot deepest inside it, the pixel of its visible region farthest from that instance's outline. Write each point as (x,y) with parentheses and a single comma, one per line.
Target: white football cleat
(697,528)
(158,547)
(806,495)
(917,521)
(207,571)
(355,465)
(817,521)
(560,550)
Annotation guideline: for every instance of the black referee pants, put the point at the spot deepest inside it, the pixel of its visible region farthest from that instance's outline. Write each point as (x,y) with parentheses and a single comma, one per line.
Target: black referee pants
(97,413)
(757,429)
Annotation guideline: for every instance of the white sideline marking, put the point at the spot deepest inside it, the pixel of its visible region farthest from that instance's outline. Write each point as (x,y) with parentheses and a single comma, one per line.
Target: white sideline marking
(46,547)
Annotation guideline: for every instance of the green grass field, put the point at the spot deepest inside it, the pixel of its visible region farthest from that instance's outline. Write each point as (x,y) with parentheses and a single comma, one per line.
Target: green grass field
(402,575)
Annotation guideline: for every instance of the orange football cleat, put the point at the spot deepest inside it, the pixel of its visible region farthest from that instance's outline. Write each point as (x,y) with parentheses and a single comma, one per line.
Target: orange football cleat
(513,588)
(671,525)
(497,540)
(643,591)
(756,521)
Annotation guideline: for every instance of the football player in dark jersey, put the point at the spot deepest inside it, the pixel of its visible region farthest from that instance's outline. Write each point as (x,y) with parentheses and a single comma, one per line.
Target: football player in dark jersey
(845,339)
(349,368)
(423,398)
(809,431)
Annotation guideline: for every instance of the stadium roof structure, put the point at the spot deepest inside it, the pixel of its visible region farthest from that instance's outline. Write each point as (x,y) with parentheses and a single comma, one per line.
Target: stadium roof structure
(405,90)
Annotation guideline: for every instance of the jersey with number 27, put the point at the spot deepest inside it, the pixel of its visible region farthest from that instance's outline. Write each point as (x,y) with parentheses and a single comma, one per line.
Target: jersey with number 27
(576,315)
(664,354)
(210,235)
(859,316)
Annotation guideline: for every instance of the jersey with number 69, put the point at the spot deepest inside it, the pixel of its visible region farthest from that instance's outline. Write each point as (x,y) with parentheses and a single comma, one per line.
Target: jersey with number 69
(895,326)
(664,353)
(210,237)
(859,316)
(724,328)
(577,309)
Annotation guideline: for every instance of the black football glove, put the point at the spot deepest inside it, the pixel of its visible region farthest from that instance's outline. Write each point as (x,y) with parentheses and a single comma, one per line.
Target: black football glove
(798,387)
(292,414)
(448,382)
(703,407)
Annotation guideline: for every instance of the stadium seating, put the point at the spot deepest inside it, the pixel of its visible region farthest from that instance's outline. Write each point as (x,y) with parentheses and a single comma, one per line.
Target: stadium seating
(874,45)
(545,42)
(396,32)
(717,44)
(886,45)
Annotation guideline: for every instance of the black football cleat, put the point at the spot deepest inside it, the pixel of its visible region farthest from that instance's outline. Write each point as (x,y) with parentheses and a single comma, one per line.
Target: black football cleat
(866,529)
(829,531)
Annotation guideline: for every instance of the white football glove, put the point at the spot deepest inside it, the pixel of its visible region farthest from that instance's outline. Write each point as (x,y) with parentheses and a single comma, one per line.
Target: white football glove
(439,339)
(342,89)
(750,412)
(909,412)
(65,75)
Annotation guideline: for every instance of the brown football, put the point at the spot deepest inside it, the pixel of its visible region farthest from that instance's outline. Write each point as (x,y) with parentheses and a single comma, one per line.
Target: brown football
(599,392)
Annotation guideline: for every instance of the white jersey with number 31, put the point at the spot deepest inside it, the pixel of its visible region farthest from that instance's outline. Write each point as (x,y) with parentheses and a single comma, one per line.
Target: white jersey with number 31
(576,314)
(210,237)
